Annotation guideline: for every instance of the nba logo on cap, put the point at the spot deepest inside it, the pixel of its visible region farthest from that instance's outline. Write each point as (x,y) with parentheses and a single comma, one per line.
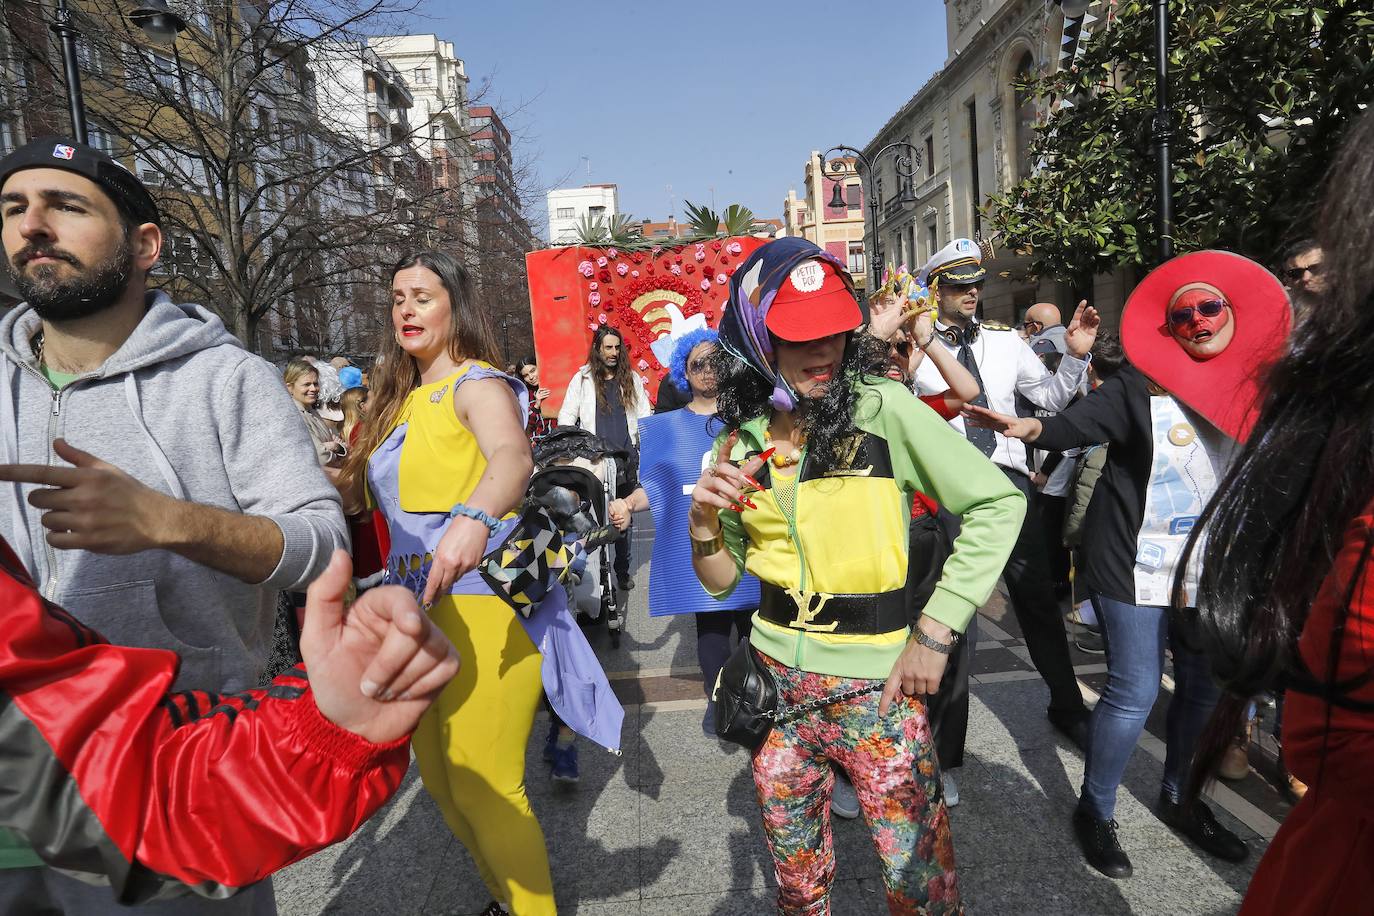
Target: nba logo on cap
(61,151)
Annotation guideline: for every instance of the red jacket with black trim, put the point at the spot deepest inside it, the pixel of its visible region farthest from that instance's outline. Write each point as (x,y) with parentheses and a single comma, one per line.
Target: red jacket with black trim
(106,773)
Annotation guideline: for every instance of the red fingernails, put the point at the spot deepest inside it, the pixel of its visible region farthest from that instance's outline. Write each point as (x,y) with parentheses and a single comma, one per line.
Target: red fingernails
(748,502)
(753,483)
(764,456)
(736,507)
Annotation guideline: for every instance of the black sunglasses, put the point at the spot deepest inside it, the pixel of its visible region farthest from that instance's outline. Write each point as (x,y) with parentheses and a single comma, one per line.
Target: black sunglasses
(1297,273)
(903,347)
(699,364)
(1209,308)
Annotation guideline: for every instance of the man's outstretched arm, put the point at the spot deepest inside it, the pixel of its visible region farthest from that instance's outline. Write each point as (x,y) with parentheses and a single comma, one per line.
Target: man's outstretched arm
(107,774)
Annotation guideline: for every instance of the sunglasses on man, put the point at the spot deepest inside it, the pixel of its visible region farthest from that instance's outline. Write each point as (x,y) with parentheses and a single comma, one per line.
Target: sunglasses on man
(1294,274)
(1031,326)
(1208,308)
(900,347)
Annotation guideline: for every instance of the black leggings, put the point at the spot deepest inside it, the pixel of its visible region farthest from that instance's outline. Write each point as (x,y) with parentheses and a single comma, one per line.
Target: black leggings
(713,641)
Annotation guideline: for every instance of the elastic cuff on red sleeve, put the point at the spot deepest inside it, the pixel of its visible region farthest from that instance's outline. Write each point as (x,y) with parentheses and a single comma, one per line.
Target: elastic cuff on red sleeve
(325,739)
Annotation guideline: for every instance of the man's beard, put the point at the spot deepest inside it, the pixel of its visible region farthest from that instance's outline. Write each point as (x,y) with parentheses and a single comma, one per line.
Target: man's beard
(90,291)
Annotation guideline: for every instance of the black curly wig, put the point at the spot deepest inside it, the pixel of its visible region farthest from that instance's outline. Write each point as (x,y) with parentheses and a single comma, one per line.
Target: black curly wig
(826,421)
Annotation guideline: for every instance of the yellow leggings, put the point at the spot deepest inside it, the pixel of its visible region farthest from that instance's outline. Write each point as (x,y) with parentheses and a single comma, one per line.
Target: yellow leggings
(471,750)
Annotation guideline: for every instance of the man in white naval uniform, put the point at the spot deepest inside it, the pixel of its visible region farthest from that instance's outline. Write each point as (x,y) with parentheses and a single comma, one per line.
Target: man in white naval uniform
(1004,366)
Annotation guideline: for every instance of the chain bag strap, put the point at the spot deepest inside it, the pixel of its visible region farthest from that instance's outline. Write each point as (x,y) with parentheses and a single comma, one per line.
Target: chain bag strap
(748,701)
(789,713)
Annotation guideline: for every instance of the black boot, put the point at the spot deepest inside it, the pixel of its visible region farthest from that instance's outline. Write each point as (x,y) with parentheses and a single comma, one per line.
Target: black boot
(1100,846)
(1071,726)
(1198,824)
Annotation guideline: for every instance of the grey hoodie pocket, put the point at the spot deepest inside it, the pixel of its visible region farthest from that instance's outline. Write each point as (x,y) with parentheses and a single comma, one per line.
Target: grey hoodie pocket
(127,614)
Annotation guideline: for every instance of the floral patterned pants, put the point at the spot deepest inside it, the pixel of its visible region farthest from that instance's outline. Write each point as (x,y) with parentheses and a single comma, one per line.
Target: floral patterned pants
(891,761)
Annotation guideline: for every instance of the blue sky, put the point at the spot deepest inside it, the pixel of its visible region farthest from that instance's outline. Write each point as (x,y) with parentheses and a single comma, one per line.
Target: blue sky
(730,96)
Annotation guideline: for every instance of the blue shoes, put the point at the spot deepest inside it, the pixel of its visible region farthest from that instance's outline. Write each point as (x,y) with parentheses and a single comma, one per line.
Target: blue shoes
(565,764)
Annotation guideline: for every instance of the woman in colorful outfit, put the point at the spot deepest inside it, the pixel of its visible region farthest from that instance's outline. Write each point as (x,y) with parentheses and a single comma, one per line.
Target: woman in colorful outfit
(1194,329)
(824,528)
(445,458)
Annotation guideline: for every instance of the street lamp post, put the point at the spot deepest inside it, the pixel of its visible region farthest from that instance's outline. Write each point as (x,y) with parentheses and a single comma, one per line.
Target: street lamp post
(1161,133)
(66,36)
(906,159)
(154,17)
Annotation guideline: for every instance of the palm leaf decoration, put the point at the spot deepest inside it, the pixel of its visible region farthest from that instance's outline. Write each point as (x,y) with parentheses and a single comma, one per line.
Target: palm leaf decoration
(592,231)
(702,223)
(625,232)
(738,220)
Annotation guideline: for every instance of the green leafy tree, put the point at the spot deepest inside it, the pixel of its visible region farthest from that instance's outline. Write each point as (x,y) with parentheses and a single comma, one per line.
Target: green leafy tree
(1262,91)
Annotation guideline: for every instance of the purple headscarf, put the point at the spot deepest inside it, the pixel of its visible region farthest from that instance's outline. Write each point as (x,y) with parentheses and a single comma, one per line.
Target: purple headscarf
(743,327)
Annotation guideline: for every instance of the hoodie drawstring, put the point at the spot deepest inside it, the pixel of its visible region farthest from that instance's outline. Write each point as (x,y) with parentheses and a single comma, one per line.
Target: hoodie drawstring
(9,454)
(169,474)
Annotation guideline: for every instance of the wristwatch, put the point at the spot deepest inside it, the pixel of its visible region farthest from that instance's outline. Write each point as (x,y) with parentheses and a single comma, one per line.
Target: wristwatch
(931,642)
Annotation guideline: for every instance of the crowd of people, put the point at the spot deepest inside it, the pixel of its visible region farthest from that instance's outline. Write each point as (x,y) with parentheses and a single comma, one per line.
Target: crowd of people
(1192,491)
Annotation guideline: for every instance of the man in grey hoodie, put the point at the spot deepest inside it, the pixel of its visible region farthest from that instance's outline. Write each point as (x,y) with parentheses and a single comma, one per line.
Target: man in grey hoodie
(155,477)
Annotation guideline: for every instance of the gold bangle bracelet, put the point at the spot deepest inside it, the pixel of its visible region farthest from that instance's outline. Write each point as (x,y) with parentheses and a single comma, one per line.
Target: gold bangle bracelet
(710,547)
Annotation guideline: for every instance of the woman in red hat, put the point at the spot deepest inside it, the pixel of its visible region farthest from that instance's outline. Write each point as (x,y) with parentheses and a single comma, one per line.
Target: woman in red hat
(812,494)
(1287,584)
(1196,329)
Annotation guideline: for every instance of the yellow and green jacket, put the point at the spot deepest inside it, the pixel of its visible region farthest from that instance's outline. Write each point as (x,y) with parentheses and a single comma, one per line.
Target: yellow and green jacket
(848,528)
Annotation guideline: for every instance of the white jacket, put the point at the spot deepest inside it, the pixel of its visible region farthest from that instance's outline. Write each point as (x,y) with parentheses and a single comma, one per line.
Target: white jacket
(579,404)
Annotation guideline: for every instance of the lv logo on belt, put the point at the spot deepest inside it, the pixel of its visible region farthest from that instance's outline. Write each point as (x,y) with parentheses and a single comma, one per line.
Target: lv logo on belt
(808,610)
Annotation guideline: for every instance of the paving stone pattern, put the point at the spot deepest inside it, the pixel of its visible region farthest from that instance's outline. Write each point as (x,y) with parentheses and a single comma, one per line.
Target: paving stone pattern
(671,826)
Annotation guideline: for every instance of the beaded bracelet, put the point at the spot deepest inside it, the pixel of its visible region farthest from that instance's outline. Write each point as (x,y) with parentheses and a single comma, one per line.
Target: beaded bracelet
(490,521)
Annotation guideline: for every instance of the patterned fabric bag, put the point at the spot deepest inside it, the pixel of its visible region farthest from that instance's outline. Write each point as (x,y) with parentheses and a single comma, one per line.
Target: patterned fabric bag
(532,559)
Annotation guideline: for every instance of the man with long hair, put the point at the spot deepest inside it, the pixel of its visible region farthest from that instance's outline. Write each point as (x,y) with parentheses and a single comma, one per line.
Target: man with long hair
(606,398)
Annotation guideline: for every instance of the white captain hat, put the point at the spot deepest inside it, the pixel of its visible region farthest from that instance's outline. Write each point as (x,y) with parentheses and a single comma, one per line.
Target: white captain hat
(959,262)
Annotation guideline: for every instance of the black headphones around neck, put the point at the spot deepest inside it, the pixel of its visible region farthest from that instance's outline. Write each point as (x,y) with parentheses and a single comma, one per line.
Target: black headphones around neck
(956,337)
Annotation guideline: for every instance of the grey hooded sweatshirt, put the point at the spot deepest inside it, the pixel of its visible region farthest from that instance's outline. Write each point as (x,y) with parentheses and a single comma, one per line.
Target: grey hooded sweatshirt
(183,408)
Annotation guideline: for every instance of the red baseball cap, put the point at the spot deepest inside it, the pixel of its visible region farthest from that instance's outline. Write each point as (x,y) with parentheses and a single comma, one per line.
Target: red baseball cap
(816,300)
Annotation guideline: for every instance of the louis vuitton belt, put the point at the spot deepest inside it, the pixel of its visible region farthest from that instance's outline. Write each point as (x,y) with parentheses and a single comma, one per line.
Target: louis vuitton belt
(817,612)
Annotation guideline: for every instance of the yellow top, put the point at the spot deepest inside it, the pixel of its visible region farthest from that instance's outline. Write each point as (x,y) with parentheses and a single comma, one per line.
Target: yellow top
(440,461)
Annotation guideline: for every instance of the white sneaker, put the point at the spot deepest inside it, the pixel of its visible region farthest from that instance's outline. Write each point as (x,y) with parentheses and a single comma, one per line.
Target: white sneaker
(951,790)
(844,801)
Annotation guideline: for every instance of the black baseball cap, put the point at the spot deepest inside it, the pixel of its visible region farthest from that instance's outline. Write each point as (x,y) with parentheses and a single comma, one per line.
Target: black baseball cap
(121,185)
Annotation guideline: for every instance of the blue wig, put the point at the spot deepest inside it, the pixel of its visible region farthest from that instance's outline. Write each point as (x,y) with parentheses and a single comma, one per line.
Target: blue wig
(689,342)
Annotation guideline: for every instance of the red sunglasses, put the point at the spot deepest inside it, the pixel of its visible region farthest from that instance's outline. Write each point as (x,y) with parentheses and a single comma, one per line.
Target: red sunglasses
(1209,308)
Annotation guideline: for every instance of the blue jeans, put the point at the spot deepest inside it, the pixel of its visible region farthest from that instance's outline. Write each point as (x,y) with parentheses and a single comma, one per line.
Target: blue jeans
(1135,638)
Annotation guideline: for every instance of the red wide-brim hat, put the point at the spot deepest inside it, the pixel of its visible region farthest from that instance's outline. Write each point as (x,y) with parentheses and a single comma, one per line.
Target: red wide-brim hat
(1225,389)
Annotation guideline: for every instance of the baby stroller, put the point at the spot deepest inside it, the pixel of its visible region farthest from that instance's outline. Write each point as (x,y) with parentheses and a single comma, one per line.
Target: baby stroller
(576,476)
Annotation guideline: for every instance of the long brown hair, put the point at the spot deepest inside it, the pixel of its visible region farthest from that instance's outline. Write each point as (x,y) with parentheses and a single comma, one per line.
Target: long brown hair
(624,378)
(396,374)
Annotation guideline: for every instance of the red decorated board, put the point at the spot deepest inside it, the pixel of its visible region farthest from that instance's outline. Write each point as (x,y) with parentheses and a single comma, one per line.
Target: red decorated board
(641,293)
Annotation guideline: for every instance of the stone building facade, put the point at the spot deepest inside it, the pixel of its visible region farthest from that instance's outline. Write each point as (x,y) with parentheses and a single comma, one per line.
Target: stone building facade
(973,130)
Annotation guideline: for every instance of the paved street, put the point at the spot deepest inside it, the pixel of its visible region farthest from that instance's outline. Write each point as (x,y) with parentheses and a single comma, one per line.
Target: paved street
(671,826)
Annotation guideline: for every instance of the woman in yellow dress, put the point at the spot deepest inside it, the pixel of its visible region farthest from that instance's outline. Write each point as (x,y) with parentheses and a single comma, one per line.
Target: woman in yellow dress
(444,457)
